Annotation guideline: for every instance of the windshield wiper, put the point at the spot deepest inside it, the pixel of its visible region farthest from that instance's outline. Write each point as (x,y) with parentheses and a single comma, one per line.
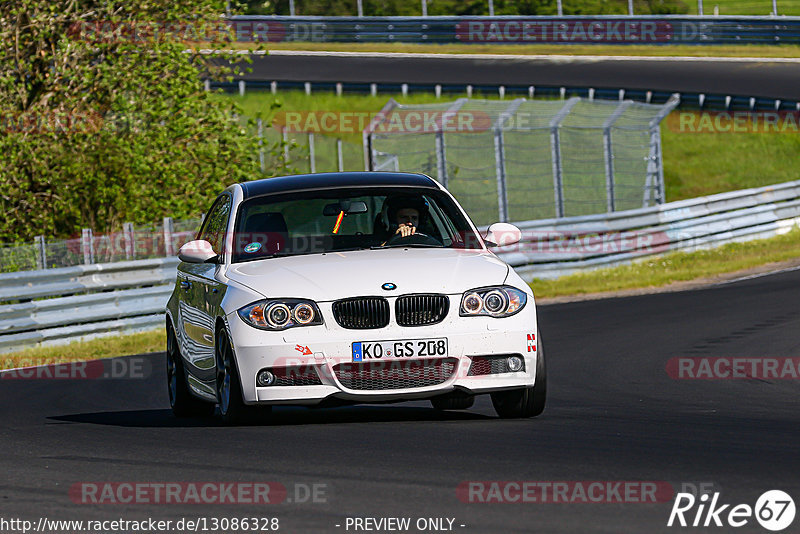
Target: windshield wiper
(407,245)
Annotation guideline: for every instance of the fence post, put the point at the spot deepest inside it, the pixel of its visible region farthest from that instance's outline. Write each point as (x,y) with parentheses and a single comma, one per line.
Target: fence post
(311,153)
(555,153)
(366,135)
(491,8)
(608,153)
(439,144)
(560,8)
(441,157)
(130,243)
(285,135)
(656,158)
(630,7)
(500,157)
(291,8)
(87,246)
(339,155)
(360,7)
(261,161)
(241,87)
(41,252)
(700,7)
(169,229)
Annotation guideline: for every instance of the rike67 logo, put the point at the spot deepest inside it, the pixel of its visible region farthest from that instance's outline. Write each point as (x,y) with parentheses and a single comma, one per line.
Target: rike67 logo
(774,510)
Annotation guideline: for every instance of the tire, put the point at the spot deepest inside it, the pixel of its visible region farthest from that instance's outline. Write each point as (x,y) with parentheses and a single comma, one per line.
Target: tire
(181,400)
(528,401)
(453,401)
(232,408)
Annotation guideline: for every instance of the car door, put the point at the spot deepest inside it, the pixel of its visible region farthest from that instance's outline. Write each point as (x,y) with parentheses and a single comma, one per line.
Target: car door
(202,293)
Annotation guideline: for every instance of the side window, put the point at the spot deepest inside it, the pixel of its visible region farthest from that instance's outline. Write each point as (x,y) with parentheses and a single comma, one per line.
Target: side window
(215,224)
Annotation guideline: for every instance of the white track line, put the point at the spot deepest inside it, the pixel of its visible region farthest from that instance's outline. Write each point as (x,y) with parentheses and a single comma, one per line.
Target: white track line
(555,58)
(545,57)
(759,275)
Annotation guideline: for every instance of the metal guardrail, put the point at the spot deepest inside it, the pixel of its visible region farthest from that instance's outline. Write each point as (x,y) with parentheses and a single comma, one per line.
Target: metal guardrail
(556,247)
(598,29)
(57,305)
(84,301)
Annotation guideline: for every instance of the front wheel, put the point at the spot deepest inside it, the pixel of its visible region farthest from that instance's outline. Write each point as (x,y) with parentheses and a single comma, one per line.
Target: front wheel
(181,400)
(232,408)
(528,401)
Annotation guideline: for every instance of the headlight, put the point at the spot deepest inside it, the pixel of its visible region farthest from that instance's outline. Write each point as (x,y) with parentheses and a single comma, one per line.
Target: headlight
(501,301)
(281,314)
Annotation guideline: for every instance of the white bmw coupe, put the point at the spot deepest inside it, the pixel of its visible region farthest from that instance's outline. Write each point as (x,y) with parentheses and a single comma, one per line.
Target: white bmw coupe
(362,287)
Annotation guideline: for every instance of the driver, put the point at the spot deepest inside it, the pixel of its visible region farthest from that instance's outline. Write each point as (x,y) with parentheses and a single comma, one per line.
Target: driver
(405,214)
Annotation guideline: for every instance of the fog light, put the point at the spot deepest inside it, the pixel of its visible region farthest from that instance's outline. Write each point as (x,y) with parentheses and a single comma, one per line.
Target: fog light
(265,378)
(514,363)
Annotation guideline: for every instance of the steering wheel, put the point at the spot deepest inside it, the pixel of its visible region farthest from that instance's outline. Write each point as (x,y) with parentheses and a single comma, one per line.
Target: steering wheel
(414,239)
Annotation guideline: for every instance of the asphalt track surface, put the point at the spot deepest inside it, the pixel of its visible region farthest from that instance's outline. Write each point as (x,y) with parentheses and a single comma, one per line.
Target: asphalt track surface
(613,415)
(726,76)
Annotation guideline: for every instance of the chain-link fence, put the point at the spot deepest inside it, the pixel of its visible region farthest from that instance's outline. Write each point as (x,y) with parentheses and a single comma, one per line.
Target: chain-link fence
(528,159)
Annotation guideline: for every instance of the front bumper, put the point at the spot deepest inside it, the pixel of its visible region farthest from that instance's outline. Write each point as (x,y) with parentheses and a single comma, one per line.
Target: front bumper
(318,350)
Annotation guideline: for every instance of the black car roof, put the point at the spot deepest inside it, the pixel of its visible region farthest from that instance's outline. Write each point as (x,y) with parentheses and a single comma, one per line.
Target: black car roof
(325,180)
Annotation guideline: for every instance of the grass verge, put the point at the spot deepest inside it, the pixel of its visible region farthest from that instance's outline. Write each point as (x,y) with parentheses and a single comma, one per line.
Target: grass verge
(545,49)
(106,347)
(659,271)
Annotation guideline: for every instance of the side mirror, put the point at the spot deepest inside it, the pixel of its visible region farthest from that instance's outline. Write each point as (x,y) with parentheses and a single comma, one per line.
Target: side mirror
(198,251)
(502,235)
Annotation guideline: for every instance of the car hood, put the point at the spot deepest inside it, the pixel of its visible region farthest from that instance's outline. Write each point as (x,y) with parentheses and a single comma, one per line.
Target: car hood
(336,275)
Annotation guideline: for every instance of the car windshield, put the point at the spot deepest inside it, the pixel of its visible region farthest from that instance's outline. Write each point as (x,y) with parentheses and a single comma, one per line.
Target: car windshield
(348,219)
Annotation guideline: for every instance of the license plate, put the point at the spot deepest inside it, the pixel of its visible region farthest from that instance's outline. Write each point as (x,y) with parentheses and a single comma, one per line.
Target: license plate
(364,351)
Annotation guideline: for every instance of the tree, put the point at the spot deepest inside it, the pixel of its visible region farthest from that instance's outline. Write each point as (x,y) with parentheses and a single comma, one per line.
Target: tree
(105,118)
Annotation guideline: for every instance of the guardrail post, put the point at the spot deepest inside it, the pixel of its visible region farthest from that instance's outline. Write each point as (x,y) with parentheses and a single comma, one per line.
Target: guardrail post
(285,136)
(130,243)
(339,155)
(241,87)
(311,153)
(41,252)
(261,160)
(608,153)
(700,7)
(169,229)
(555,153)
(87,246)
